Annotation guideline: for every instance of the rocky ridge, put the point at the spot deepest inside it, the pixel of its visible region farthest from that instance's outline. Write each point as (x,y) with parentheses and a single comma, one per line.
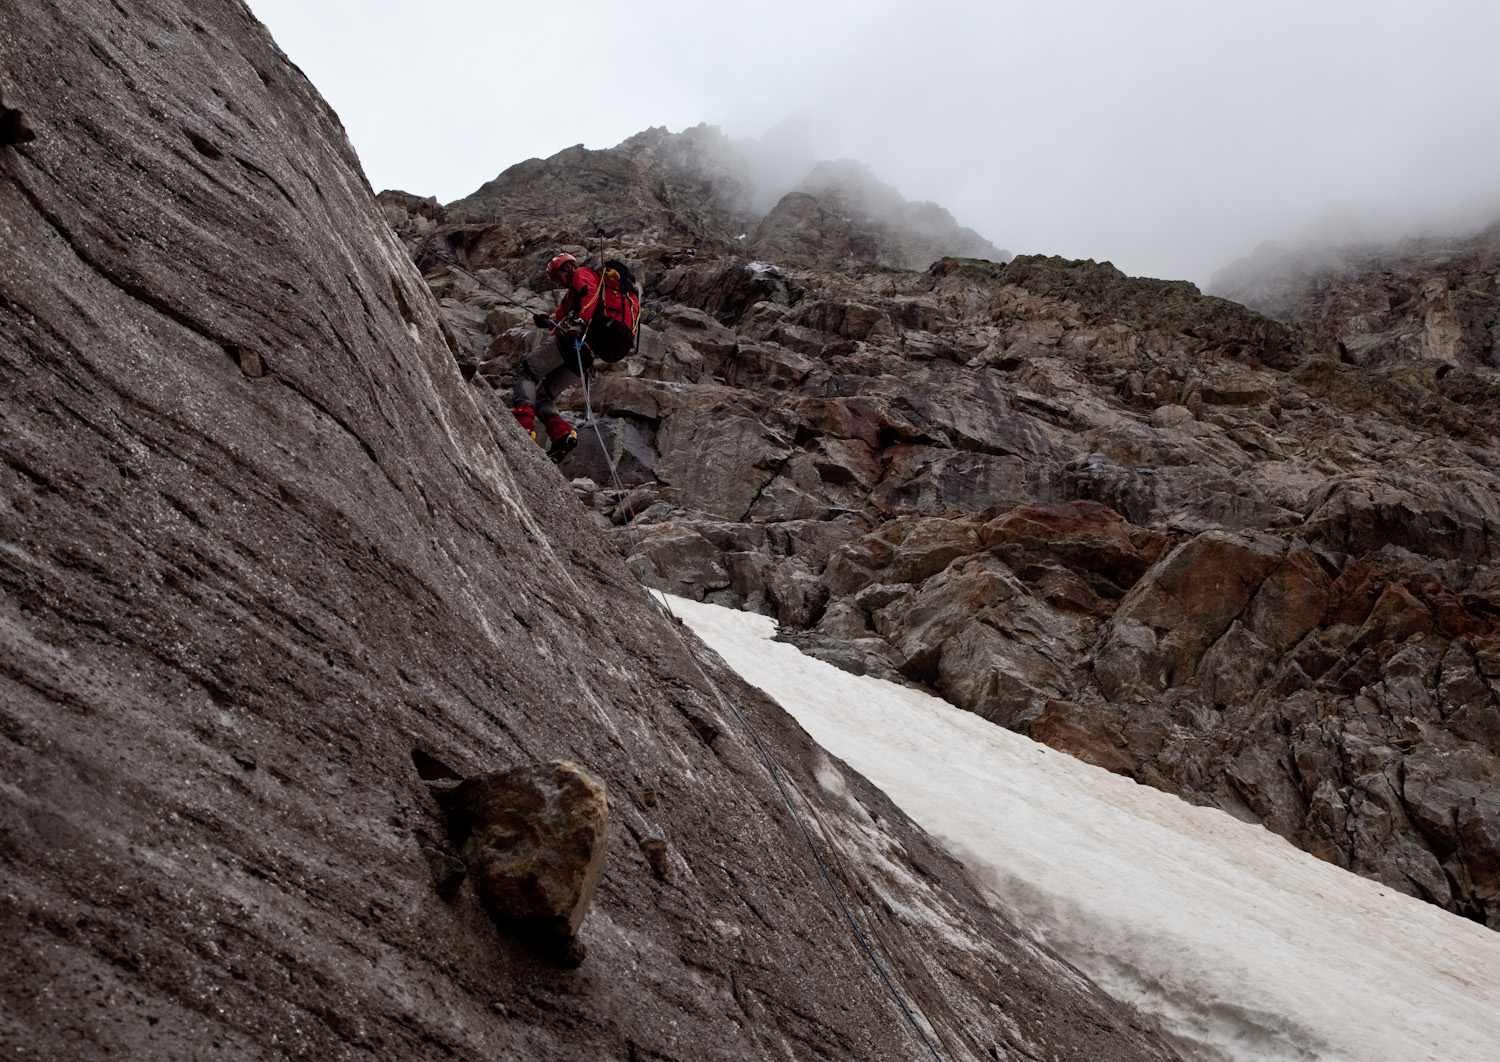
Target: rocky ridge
(272,571)
(1422,300)
(1171,535)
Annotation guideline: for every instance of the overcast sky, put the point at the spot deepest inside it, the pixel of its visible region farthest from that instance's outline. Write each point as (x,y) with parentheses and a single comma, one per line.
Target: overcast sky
(1167,137)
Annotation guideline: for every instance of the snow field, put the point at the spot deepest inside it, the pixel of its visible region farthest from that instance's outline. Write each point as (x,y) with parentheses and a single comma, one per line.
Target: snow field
(1241,946)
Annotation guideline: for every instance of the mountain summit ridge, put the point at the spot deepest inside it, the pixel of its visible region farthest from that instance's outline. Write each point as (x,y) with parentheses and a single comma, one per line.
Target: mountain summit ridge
(700,189)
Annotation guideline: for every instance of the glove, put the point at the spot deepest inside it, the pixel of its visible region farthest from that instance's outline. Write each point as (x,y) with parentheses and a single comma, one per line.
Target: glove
(541,320)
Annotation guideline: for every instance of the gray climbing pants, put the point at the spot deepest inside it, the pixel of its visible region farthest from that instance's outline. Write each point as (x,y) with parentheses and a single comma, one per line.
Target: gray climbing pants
(541,377)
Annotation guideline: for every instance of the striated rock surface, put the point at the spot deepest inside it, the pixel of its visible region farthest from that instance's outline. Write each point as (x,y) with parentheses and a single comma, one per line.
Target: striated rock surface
(269,563)
(1182,539)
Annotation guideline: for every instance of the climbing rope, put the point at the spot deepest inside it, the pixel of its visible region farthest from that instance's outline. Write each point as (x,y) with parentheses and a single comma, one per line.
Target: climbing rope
(724,701)
(660,602)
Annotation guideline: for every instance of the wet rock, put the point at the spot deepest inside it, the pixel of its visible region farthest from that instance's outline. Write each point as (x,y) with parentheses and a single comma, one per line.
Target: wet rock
(534,840)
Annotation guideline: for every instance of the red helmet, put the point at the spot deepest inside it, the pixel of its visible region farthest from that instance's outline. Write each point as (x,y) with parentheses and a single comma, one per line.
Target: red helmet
(557,263)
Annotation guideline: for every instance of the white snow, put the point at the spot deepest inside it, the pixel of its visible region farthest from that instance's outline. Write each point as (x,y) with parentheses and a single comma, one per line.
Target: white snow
(1240,945)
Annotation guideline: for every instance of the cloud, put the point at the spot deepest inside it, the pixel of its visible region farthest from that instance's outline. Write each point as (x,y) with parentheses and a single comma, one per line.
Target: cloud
(1169,137)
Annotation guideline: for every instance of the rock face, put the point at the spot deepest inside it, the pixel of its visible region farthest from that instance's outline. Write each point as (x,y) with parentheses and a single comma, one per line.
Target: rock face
(1181,539)
(533,839)
(1424,301)
(267,558)
(840,214)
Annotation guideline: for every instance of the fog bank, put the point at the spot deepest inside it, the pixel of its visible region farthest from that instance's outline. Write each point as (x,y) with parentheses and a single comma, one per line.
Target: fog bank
(1167,137)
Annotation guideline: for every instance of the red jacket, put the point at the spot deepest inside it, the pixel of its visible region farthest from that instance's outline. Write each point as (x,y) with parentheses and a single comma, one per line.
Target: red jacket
(581,298)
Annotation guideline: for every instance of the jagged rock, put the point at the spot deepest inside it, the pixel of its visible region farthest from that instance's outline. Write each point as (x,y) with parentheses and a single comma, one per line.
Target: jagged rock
(657,185)
(797,593)
(679,560)
(727,291)
(903,551)
(534,840)
(1085,535)
(977,633)
(926,479)
(1440,515)
(1431,299)
(628,455)
(1179,608)
(718,460)
(841,213)
(1291,601)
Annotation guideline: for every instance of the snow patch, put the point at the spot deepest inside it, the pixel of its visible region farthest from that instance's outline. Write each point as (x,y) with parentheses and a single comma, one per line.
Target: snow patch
(1242,947)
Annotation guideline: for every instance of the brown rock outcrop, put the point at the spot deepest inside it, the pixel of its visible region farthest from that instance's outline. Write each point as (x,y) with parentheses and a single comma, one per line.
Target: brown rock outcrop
(534,841)
(1163,626)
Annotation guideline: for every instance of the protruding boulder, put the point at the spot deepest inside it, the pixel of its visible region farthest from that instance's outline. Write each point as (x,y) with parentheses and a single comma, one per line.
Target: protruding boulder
(1179,608)
(1084,535)
(534,840)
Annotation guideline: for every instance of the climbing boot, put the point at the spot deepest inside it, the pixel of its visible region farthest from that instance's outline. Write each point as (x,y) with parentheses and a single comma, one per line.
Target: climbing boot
(563,437)
(526,417)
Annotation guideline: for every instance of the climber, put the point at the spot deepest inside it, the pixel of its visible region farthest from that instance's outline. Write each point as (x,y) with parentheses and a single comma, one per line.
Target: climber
(582,334)
(550,369)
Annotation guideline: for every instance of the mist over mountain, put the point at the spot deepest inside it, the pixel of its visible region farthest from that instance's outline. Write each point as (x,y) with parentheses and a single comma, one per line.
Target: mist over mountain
(1380,304)
(707,191)
(1169,138)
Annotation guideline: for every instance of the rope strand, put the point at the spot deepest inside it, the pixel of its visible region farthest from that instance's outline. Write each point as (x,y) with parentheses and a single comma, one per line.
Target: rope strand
(754,737)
